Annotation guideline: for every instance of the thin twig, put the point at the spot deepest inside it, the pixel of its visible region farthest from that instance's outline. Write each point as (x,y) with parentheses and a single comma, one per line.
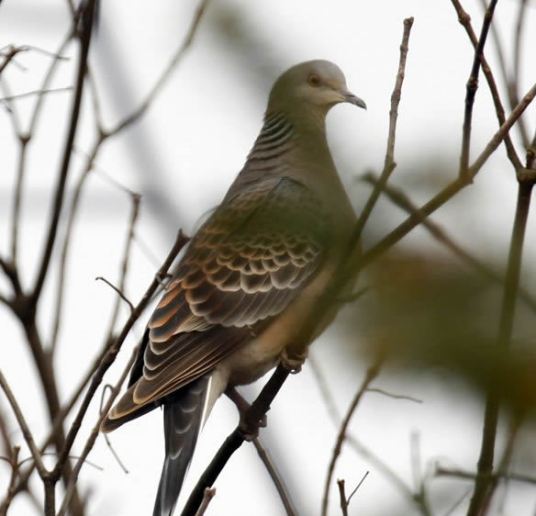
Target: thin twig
(24,141)
(85,40)
(511,80)
(505,460)
(342,497)
(67,239)
(419,485)
(135,211)
(483,488)
(472,86)
(33,93)
(393,395)
(49,75)
(7,444)
(389,164)
(164,77)
(457,503)
(15,466)
(513,84)
(12,275)
(469,475)
(26,432)
(359,448)
(103,136)
(17,201)
(465,21)
(531,153)
(69,489)
(250,421)
(370,375)
(71,457)
(207,497)
(114,349)
(359,484)
(118,291)
(106,436)
(450,190)
(398,197)
(276,478)
(8,56)
(11,109)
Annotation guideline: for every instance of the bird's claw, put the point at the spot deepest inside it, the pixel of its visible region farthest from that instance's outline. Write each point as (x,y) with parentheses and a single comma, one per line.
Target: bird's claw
(293,362)
(249,428)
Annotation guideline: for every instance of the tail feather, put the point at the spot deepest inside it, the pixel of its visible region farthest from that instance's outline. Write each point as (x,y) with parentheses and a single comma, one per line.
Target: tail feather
(184,415)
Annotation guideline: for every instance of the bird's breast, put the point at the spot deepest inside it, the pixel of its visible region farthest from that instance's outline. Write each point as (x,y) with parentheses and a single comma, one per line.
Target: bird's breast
(262,353)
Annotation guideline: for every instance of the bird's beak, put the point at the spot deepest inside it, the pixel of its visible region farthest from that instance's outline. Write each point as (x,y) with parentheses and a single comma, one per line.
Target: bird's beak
(353,99)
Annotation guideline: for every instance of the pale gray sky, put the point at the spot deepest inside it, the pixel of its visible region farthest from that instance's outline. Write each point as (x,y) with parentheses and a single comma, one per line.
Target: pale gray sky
(182,156)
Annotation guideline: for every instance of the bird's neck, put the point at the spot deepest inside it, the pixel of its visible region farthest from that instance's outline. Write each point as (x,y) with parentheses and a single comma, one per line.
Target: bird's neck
(284,134)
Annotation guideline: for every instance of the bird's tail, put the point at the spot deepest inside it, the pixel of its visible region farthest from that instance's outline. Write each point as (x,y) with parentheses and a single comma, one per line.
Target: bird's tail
(184,415)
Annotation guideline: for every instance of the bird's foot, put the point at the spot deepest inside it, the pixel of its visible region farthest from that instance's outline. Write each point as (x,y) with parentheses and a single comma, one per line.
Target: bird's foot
(249,428)
(293,360)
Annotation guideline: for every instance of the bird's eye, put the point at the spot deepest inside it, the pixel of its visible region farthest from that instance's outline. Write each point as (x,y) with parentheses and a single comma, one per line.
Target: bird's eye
(314,80)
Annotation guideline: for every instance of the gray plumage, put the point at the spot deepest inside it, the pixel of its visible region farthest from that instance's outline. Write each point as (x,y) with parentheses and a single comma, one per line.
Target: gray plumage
(182,423)
(251,272)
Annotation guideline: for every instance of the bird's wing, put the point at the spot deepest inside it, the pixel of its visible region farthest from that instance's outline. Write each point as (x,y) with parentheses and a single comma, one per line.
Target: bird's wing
(244,266)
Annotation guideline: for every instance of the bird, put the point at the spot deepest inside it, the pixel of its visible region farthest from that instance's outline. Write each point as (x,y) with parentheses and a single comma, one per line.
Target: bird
(252,271)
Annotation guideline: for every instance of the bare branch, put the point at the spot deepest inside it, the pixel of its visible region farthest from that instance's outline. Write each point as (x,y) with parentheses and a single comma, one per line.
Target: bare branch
(342,497)
(457,503)
(393,395)
(13,462)
(370,375)
(511,81)
(177,57)
(24,141)
(276,478)
(472,86)
(135,199)
(358,446)
(207,497)
(112,352)
(118,291)
(8,56)
(249,423)
(531,153)
(21,420)
(484,486)
(85,40)
(389,164)
(56,58)
(398,197)
(465,21)
(450,190)
(504,462)
(69,489)
(67,239)
(33,93)
(115,455)
(345,502)
(359,484)
(11,273)
(468,475)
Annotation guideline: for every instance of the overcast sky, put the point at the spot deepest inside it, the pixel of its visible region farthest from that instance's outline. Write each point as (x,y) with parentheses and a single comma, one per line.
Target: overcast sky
(183,155)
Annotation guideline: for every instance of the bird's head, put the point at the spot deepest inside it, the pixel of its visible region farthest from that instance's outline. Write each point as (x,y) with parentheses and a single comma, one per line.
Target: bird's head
(311,87)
